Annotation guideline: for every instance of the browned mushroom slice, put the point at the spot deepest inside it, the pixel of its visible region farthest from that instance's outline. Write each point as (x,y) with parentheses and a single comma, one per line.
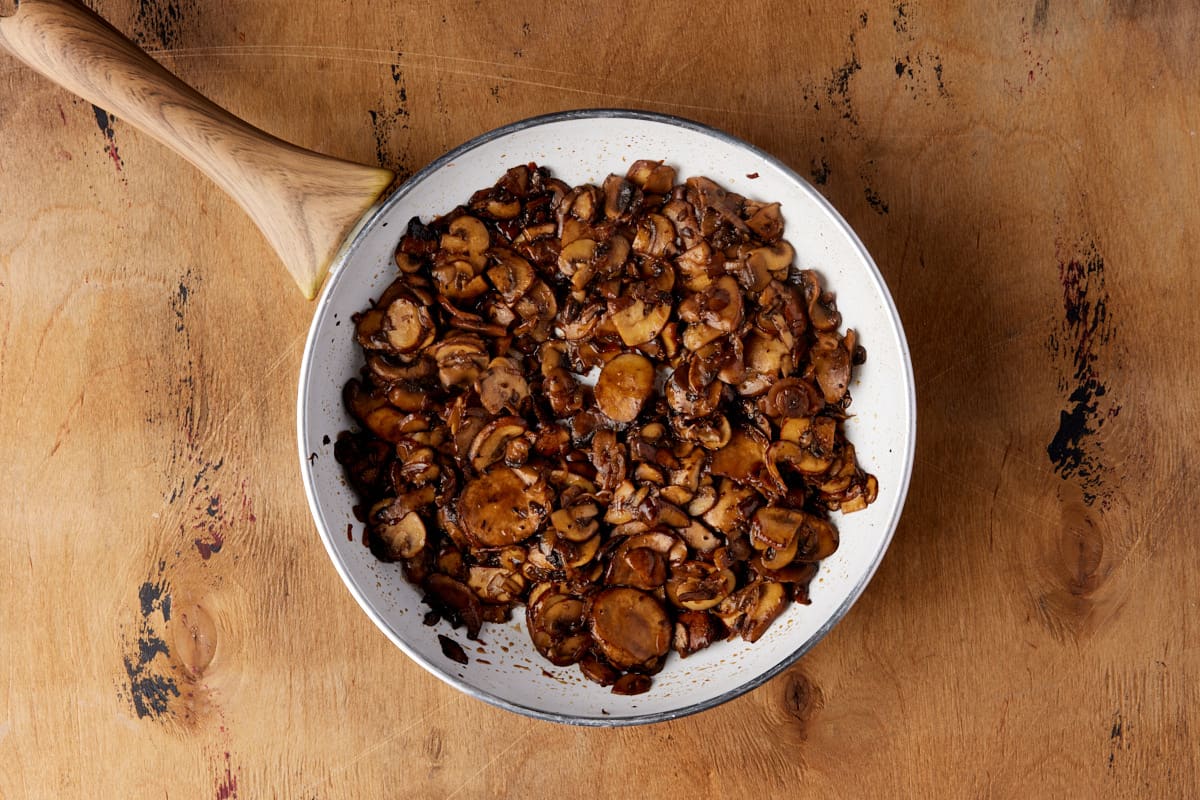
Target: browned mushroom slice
(458,280)
(454,601)
(582,203)
(638,321)
(368,330)
(466,234)
(622,199)
(495,584)
(682,399)
(733,508)
(537,309)
(697,586)
(694,631)
(598,671)
(501,507)
(722,306)
(557,626)
(683,217)
(822,310)
(791,397)
(776,527)
(742,458)
(373,411)
(775,259)
(490,443)
(655,237)
(502,385)
(407,326)
(726,205)
(831,366)
(510,274)
(394,538)
(751,610)
(797,458)
(611,255)
(767,222)
(819,540)
(576,258)
(639,568)
(388,370)
(631,684)
(652,176)
(577,523)
(624,385)
(699,537)
(630,627)
(573,555)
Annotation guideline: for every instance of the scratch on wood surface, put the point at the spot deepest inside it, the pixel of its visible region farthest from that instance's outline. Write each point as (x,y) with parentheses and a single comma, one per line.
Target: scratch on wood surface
(969,358)
(375,747)
(492,760)
(304,52)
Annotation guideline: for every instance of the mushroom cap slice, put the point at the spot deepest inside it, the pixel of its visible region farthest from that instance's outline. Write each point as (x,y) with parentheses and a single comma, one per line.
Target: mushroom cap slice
(500,507)
(624,385)
(639,568)
(752,609)
(399,539)
(631,628)
(638,321)
(556,623)
(697,586)
(489,444)
(502,385)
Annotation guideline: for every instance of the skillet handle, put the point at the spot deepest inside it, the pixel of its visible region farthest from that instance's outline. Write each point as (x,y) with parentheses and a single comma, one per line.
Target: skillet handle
(305,203)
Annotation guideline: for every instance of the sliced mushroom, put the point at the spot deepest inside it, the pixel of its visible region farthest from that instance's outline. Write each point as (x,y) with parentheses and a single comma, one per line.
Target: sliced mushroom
(466,234)
(630,627)
(638,568)
(557,626)
(502,385)
(751,610)
(395,539)
(622,199)
(495,584)
(694,631)
(655,237)
(791,397)
(775,259)
(510,274)
(624,385)
(652,176)
(577,523)
(454,601)
(767,222)
(697,586)
(831,366)
(490,444)
(638,321)
(501,507)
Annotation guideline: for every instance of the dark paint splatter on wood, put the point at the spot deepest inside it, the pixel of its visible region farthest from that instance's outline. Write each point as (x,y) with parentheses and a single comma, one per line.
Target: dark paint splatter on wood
(212,544)
(150,690)
(877,203)
(900,17)
(820,171)
(389,124)
(227,784)
(104,121)
(1076,450)
(159,23)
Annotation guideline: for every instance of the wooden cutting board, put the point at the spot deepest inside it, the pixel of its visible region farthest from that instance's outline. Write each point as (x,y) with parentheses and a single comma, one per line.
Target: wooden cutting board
(1026,178)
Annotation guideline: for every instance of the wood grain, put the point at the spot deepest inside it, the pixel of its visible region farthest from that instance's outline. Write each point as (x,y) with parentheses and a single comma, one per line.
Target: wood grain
(1022,174)
(305,203)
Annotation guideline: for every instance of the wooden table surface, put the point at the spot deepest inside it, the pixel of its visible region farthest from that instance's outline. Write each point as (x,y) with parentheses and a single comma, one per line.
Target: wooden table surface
(1025,175)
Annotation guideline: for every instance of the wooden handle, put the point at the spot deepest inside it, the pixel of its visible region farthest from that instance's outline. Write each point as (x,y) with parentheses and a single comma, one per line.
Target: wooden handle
(305,203)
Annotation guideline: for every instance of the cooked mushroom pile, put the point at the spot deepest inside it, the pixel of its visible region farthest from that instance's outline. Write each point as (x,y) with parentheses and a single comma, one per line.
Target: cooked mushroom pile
(618,406)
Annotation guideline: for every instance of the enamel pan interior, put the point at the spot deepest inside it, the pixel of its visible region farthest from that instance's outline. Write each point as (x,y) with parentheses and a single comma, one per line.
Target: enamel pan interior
(585,146)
